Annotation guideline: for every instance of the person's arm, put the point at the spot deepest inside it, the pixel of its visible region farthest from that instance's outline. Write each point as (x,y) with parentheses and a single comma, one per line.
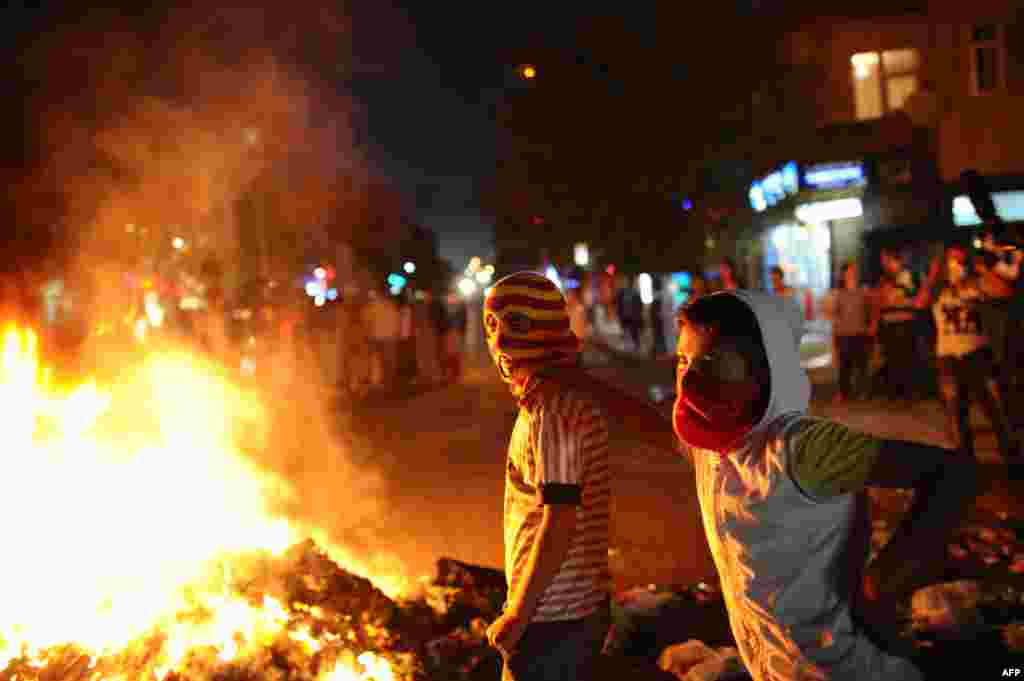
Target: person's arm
(559,454)
(829,459)
(944,483)
(637,417)
(875,305)
(549,551)
(927,291)
(1009,270)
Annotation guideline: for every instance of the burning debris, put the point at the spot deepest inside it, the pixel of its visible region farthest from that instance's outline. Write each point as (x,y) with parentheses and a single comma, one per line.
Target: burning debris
(150,549)
(295,616)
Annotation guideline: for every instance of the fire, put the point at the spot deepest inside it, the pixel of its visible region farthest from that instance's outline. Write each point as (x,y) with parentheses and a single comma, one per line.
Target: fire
(121,526)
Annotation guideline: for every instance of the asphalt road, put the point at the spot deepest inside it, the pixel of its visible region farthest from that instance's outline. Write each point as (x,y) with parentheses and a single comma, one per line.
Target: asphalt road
(442,453)
(438,461)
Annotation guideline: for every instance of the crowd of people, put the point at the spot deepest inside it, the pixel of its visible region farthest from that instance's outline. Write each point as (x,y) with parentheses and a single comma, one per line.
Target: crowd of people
(949,334)
(383,344)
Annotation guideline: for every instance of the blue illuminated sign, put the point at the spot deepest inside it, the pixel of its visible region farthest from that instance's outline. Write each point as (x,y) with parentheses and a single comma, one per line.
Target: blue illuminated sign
(757,198)
(790,178)
(775,187)
(834,175)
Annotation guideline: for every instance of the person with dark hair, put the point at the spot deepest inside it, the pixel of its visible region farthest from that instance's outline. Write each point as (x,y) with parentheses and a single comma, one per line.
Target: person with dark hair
(783,498)
(897,329)
(630,310)
(698,287)
(731,280)
(849,309)
(999,273)
(659,346)
(964,352)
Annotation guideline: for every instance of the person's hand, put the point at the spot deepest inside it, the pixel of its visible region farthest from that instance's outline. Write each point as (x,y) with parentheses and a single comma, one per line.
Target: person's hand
(935,269)
(881,619)
(505,632)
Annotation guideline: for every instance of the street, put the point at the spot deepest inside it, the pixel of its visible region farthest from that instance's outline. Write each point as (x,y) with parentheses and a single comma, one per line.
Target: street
(440,455)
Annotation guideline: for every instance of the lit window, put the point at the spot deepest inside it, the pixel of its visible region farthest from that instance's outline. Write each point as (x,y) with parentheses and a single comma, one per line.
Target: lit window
(987,52)
(883,81)
(867,85)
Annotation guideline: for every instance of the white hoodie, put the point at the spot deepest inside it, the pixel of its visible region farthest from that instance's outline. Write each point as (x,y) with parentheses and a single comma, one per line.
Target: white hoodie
(780,552)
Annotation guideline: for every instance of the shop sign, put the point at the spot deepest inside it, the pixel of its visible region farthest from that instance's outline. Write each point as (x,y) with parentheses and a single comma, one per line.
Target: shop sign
(1009,206)
(834,175)
(774,187)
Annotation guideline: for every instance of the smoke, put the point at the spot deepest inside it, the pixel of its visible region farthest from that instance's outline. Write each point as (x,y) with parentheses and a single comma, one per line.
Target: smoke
(229,131)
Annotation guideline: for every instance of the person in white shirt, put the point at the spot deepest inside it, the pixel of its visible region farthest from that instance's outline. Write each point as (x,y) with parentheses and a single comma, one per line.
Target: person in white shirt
(383,319)
(966,363)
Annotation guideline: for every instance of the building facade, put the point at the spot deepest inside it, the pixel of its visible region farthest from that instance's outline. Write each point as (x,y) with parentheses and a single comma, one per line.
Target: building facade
(907,103)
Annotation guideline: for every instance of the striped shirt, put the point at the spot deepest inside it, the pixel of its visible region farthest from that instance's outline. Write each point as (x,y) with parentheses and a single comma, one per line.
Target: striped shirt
(558,453)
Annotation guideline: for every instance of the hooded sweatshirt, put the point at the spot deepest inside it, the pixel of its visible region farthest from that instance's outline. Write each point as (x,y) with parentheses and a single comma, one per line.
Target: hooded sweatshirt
(781,549)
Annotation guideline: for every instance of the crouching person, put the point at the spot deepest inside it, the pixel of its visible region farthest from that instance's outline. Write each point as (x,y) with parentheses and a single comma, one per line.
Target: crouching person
(783,503)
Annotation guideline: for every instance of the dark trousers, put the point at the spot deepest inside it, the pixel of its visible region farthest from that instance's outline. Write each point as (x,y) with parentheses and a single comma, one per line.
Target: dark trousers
(854,362)
(960,378)
(902,367)
(633,332)
(566,651)
(999,317)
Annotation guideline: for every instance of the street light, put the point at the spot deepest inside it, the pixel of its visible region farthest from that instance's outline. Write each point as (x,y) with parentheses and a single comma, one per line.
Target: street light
(467,287)
(409,267)
(528,71)
(581,254)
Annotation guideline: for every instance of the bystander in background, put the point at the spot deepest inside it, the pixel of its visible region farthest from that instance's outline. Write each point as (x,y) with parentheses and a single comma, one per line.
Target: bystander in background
(454,337)
(730,279)
(998,278)
(966,365)
(849,308)
(629,308)
(896,315)
(382,317)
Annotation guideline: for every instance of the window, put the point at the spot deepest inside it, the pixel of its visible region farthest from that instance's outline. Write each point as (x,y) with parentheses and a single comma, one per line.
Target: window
(883,81)
(987,52)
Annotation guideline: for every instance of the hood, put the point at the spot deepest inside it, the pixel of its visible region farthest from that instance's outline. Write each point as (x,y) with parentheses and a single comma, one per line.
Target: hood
(782,327)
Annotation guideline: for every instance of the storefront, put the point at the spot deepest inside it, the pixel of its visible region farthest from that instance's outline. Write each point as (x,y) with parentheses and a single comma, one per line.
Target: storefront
(808,219)
(812,216)
(1007,197)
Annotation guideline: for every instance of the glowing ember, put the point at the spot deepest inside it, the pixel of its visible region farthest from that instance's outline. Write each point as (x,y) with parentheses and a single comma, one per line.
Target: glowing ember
(121,528)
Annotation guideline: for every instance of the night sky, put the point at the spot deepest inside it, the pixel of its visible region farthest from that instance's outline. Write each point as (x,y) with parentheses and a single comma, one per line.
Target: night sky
(424,74)
(428,83)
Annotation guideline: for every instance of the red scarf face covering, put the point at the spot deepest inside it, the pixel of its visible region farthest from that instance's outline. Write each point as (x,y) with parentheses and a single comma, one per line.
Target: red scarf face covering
(713,415)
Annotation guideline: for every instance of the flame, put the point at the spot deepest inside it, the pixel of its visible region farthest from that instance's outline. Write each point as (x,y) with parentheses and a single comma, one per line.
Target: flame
(110,535)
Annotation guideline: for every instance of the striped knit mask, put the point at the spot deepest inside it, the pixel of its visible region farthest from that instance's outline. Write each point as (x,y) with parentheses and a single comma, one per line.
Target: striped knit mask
(527,325)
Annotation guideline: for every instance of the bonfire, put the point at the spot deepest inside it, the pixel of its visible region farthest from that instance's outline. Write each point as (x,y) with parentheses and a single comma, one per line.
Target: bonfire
(141,544)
